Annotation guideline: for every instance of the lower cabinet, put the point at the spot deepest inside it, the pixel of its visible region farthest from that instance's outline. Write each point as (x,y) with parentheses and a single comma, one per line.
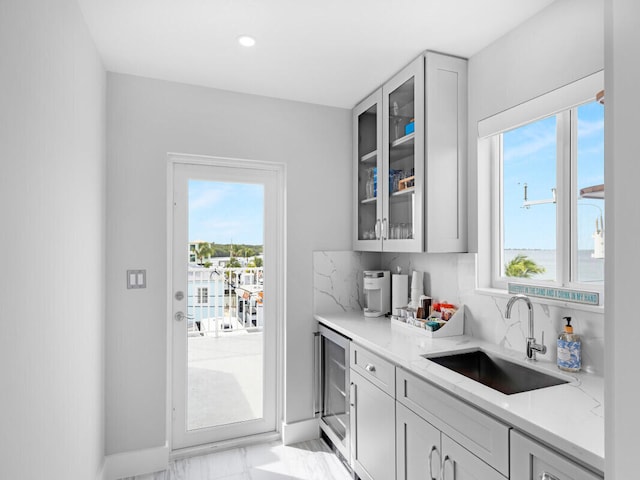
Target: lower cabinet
(373,430)
(425,453)
(406,428)
(532,461)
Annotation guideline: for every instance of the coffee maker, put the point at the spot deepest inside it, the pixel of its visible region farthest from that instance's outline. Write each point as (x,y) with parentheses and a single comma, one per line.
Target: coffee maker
(377,293)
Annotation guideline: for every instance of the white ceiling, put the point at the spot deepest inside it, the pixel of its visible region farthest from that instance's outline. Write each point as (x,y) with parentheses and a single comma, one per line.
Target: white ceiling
(329,52)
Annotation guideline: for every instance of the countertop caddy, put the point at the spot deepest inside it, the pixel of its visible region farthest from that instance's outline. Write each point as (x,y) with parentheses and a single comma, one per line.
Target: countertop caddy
(568,418)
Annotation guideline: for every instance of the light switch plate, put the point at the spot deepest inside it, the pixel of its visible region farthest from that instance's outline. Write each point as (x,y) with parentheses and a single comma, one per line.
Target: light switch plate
(136,279)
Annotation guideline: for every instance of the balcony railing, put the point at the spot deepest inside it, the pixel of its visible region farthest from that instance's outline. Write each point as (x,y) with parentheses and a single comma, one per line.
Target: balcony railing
(223,300)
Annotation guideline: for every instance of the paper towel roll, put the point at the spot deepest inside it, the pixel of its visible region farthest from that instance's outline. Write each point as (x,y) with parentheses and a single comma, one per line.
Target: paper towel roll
(399,291)
(417,288)
(416,280)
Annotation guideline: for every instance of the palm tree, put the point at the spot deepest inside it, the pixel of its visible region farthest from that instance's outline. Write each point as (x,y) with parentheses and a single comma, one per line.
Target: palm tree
(523,267)
(203,250)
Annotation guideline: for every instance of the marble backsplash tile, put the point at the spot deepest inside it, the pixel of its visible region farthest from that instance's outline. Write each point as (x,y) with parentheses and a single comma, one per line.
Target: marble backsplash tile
(452,277)
(337,285)
(337,280)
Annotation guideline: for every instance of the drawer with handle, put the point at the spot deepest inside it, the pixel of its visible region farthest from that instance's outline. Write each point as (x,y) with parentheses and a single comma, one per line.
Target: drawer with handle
(378,371)
(531,460)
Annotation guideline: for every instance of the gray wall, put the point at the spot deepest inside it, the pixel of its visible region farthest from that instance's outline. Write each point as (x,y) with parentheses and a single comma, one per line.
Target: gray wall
(622,171)
(148,118)
(52,206)
(563,43)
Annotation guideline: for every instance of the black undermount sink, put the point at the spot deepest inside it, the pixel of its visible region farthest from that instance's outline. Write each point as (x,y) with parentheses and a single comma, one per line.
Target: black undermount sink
(495,372)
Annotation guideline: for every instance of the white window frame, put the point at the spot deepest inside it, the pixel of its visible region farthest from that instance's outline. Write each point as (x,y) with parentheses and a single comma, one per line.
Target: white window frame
(563,104)
(199,296)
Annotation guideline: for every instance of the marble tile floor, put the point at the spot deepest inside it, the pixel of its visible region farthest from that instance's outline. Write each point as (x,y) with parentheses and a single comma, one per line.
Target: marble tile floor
(312,460)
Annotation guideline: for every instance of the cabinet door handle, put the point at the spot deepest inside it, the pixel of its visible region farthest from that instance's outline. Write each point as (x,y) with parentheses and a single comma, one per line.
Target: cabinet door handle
(548,476)
(317,367)
(352,395)
(444,463)
(433,449)
(384,229)
(370,368)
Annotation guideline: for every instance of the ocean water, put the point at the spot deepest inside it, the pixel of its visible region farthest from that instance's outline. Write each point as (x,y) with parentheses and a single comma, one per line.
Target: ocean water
(590,270)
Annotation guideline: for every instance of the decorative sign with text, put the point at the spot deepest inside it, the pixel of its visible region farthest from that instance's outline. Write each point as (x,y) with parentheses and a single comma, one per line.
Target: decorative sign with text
(552,293)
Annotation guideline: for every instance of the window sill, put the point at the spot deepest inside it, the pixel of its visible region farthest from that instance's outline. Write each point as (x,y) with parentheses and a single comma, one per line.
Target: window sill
(496,292)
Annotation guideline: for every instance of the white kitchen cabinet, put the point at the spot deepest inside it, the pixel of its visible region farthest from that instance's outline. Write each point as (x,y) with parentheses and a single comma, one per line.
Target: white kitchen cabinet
(410,160)
(372,421)
(417,447)
(482,435)
(460,464)
(531,460)
(425,453)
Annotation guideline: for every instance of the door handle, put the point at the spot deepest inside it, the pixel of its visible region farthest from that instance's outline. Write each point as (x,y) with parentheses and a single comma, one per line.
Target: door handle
(180,316)
(317,365)
(370,368)
(447,458)
(433,449)
(547,476)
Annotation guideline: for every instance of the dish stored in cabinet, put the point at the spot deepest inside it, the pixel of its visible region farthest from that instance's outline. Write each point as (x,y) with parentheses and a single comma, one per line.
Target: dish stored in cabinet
(331,399)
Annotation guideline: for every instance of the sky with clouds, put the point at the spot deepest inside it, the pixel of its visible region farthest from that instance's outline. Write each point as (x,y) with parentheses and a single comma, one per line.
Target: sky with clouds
(530,157)
(224,212)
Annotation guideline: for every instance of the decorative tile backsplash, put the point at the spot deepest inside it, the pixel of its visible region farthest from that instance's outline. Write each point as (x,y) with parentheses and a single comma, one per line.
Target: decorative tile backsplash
(452,277)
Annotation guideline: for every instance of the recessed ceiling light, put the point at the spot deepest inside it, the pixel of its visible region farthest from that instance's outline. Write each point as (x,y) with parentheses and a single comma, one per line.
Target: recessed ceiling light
(246,41)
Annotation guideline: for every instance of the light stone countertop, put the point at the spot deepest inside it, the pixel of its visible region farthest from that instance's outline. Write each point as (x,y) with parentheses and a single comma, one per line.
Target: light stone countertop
(568,418)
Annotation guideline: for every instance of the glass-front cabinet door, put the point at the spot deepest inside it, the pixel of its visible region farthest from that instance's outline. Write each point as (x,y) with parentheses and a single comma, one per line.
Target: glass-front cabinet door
(367,127)
(389,165)
(403,160)
(410,160)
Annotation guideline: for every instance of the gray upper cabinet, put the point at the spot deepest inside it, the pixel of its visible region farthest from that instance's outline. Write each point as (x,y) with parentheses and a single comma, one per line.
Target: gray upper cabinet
(446,153)
(410,160)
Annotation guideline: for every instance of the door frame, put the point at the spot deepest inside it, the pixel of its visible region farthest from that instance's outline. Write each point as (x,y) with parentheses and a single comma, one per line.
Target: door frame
(278,301)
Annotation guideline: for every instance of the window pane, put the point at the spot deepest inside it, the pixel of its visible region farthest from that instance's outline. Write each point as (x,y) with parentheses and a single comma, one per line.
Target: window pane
(589,260)
(528,202)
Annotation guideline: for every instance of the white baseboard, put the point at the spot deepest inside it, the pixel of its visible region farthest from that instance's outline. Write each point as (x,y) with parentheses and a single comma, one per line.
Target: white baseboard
(137,462)
(300,431)
(102,473)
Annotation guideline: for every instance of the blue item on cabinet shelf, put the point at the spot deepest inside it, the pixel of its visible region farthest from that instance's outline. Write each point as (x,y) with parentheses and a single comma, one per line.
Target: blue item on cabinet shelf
(375,182)
(392,173)
(409,128)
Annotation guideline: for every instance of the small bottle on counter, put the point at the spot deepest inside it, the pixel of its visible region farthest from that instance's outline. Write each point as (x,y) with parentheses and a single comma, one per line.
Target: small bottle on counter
(569,349)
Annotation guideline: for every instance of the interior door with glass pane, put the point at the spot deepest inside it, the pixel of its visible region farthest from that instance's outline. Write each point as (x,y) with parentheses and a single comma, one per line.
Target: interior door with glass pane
(367,128)
(403,169)
(224,358)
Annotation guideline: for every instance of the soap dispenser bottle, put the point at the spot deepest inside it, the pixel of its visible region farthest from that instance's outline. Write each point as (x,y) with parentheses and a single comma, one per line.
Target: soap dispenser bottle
(569,349)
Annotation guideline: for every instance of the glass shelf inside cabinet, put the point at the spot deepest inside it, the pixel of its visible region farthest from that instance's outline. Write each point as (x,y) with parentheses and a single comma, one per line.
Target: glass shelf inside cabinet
(405,191)
(403,140)
(401,171)
(370,157)
(402,148)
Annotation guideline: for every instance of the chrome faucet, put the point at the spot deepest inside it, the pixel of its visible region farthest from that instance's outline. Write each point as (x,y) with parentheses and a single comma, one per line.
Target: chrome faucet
(532,346)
